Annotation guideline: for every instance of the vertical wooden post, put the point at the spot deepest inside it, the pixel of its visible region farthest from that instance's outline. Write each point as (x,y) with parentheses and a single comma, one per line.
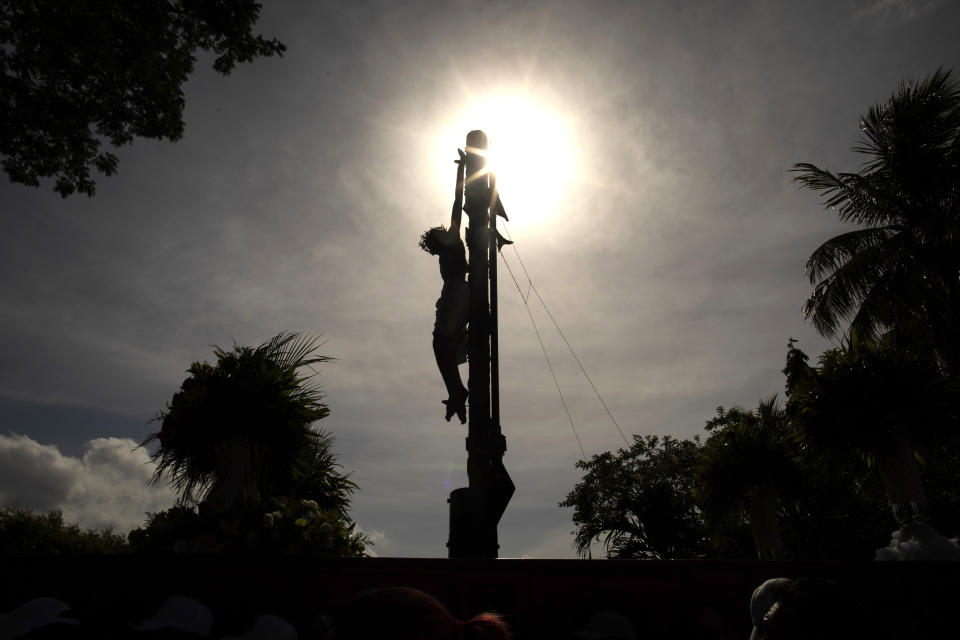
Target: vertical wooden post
(477,205)
(476,510)
(494,322)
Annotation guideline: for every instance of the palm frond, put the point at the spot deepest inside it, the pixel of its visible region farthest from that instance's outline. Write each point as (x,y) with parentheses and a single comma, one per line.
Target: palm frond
(747,450)
(259,396)
(908,189)
(837,297)
(839,250)
(875,315)
(858,199)
(770,415)
(909,140)
(293,350)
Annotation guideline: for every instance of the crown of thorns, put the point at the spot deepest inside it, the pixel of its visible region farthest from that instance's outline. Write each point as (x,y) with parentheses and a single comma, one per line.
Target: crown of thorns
(430,240)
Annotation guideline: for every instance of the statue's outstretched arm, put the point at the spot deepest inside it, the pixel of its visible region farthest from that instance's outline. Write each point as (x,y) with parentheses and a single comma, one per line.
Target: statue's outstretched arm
(457,211)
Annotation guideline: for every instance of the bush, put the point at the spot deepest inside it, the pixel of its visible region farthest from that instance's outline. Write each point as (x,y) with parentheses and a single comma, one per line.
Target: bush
(278,525)
(22,531)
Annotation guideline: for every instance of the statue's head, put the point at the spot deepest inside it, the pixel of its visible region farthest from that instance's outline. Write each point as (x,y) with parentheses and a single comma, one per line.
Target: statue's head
(432,240)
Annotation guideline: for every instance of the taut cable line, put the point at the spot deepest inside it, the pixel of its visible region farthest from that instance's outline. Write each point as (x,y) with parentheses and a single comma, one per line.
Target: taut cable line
(583,369)
(546,357)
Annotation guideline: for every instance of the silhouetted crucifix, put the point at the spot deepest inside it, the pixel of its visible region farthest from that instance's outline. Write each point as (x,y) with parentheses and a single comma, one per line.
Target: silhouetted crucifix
(474,510)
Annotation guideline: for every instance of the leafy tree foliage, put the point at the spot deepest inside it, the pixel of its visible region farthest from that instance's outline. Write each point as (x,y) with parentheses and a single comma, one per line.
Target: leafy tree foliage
(817,461)
(867,398)
(941,477)
(244,428)
(238,441)
(881,403)
(73,74)
(640,501)
(280,525)
(840,511)
(169,531)
(901,269)
(748,464)
(318,476)
(22,531)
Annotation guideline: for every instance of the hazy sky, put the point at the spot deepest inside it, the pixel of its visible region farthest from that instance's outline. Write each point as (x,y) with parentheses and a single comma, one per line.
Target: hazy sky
(657,219)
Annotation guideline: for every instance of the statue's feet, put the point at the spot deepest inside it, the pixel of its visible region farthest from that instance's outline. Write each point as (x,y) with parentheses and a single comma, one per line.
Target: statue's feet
(451,410)
(457,405)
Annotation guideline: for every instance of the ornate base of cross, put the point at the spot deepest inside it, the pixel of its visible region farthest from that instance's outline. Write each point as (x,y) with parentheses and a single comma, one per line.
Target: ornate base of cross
(476,510)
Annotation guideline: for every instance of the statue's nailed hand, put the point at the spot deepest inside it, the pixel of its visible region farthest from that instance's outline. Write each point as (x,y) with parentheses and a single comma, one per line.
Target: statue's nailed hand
(463,157)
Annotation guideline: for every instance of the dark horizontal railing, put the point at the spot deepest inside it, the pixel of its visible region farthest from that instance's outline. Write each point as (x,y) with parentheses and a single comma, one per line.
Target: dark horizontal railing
(540,598)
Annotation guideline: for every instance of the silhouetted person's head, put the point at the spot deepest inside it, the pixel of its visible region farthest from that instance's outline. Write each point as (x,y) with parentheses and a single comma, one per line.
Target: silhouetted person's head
(446,244)
(400,613)
(811,609)
(432,240)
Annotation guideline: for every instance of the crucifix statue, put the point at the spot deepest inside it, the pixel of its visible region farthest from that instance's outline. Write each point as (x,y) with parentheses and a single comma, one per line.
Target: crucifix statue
(453,306)
(474,510)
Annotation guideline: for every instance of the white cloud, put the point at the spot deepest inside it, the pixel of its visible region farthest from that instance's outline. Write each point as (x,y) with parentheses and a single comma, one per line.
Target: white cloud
(381,543)
(34,475)
(107,487)
(920,543)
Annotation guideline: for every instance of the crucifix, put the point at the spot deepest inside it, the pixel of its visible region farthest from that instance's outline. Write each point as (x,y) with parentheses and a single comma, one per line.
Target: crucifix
(476,509)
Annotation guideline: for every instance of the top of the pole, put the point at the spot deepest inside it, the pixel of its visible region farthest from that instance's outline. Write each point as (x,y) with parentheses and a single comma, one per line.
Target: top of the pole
(476,141)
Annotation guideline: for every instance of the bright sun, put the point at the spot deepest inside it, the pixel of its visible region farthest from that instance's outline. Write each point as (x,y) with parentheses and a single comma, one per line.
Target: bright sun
(530,151)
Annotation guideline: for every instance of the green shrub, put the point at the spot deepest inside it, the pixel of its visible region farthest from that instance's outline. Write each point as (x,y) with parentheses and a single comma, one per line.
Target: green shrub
(22,531)
(279,525)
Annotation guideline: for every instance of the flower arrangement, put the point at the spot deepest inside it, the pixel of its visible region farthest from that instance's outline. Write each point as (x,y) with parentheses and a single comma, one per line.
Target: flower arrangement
(279,525)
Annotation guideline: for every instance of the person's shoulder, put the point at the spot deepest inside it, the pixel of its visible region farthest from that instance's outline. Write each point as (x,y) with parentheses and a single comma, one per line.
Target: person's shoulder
(452,246)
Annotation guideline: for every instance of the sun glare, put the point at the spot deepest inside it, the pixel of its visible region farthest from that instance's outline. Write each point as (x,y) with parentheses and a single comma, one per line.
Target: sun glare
(530,150)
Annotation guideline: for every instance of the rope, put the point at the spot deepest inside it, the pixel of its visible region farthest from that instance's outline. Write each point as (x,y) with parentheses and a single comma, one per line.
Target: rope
(565,341)
(510,271)
(546,357)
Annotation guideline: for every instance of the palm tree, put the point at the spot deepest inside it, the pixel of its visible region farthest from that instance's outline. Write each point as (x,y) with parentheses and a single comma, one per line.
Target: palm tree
(244,429)
(747,463)
(901,269)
